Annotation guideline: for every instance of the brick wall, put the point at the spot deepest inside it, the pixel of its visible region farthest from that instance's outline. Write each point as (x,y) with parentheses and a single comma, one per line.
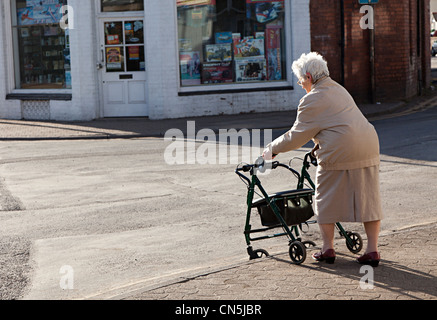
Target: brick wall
(325,33)
(402,64)
(357,57)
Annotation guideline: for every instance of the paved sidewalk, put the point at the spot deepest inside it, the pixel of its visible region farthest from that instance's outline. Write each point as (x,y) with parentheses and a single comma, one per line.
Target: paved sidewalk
(408,271)
(18,130)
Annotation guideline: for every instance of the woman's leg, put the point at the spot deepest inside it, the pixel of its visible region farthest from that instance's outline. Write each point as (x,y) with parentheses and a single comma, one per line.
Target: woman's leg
(327,232)
(372,230)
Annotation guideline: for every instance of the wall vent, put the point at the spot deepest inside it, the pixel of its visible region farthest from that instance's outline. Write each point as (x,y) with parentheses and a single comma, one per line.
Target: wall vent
(35,109)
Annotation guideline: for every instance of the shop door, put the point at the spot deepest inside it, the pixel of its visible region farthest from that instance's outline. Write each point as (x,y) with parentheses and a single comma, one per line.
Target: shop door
(122,67)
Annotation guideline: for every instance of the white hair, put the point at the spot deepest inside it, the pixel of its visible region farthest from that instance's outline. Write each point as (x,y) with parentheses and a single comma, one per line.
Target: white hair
(313,63)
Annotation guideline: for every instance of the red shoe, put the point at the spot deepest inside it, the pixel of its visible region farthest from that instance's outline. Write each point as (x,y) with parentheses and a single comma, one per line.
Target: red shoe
(328,256)
(371,258)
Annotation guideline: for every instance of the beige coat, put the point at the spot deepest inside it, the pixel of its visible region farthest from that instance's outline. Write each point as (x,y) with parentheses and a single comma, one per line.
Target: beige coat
(329,116)
(347,182)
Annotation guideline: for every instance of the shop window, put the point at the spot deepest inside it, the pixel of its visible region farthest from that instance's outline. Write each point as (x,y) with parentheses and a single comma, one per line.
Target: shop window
(231,41)
(41,46)
(122,5)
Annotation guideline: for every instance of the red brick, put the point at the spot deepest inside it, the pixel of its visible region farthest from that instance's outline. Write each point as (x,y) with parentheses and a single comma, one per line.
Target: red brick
(398,59)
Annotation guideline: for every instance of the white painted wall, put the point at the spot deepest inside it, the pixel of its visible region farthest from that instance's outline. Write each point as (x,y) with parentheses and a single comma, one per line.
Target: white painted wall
(9,109)
(161,67)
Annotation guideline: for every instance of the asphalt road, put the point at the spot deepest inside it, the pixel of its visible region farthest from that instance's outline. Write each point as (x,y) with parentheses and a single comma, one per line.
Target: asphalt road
(89,219)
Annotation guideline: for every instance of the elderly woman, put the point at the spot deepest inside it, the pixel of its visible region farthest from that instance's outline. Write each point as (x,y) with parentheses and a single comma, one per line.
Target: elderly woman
(347,149)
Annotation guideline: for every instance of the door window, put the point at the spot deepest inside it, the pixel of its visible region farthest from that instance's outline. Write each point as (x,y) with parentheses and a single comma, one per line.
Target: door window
(124,46)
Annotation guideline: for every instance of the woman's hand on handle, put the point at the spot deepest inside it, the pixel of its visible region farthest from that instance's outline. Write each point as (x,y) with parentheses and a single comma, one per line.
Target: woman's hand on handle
(267,153)
(316,147)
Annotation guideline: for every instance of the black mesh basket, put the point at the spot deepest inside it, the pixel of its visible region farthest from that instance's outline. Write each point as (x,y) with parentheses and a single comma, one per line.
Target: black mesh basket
(294,206)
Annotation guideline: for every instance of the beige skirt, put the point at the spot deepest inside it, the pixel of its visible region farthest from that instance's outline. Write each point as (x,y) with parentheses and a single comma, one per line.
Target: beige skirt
(348,195)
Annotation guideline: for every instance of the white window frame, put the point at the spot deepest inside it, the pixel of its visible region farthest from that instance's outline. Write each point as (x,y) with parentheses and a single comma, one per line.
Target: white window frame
(117,14)
(9,50)
(256,86)
(13,61)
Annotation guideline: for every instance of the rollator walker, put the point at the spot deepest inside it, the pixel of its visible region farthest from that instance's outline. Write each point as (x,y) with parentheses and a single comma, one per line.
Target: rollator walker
(287,210)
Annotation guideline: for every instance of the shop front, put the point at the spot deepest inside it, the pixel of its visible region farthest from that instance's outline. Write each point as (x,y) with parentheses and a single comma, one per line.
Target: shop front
(82,60)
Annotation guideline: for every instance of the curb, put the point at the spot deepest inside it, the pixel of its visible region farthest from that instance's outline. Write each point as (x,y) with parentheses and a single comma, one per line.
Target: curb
(135,289)
(402,108)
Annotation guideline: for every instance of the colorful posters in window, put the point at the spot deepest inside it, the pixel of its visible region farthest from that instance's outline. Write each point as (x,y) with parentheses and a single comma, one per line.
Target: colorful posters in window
(265,10)
(112,39)
(250,69)
(219,72)
(190,68)
(114,58)
(218,52)
(273,48)
(40,12)
(134,53)
(248,47)
(223,37)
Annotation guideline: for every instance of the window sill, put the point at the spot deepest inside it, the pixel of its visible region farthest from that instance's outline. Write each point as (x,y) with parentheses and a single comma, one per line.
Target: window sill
(232,90)
(40,96)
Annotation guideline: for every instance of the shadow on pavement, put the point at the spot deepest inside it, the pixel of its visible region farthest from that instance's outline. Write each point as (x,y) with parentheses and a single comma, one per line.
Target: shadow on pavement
(393,278)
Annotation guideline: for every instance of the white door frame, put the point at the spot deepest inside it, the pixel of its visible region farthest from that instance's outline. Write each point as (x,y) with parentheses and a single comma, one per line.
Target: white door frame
(101,17)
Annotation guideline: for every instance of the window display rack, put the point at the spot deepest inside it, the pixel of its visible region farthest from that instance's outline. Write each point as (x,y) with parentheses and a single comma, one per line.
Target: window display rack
(44,57)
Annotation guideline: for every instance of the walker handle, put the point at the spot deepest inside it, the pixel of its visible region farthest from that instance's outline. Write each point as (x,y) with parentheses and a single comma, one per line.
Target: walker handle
(312,160)
(259,163)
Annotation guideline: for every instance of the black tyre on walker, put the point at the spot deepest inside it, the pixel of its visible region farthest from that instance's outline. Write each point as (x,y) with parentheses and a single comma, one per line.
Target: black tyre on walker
(354,243)
(259,253)
(297,252)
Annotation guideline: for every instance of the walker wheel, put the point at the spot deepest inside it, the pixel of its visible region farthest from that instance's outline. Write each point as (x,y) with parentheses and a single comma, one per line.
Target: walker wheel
(308,244)
(355,242)
(298,252)
(259,253)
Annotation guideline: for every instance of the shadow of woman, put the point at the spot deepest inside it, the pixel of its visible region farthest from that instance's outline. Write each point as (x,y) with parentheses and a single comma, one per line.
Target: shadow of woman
(391,280)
